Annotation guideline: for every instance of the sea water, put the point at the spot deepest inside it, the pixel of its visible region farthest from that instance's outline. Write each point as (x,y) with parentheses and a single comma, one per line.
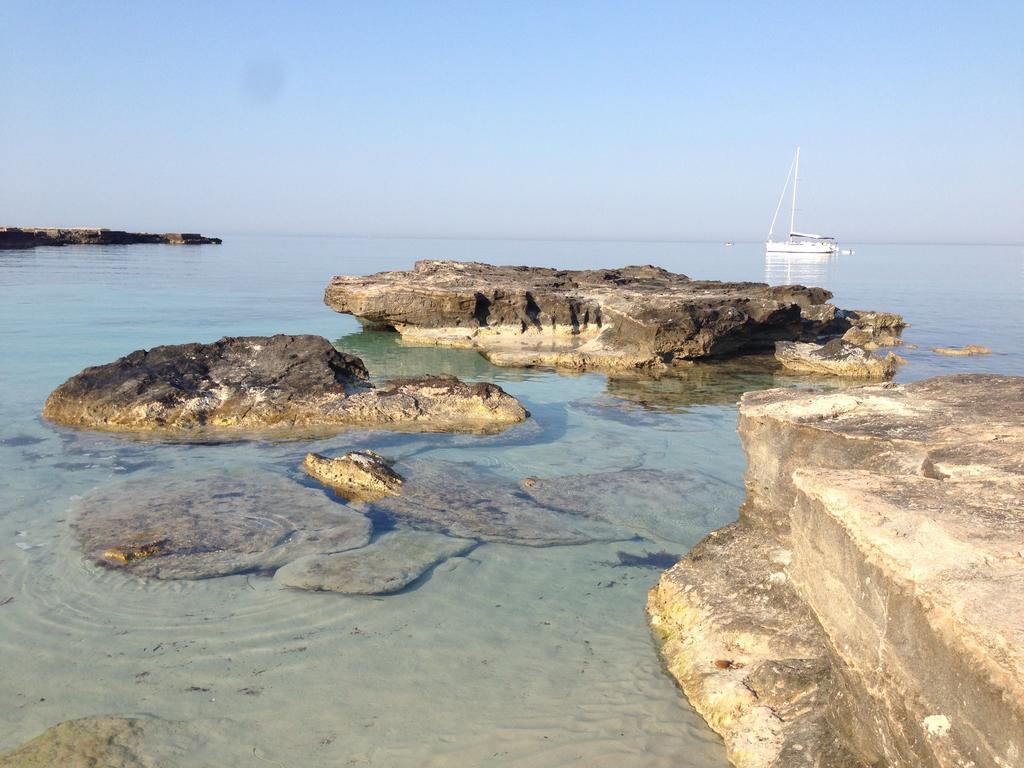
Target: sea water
(512,655)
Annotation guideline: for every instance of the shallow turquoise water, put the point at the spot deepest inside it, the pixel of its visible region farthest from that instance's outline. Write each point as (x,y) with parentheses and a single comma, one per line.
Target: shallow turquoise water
(513,655)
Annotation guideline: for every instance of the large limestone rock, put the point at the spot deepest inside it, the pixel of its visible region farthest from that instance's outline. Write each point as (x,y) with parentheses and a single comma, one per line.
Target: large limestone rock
(389,564)
(198,526)
(259,383)
(877,571)
(634,317)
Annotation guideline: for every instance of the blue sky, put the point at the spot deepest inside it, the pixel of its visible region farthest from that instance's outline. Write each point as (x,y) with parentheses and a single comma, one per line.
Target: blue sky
(514,119)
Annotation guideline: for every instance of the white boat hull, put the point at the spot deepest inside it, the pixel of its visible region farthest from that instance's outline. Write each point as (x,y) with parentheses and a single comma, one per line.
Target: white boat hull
(820,248)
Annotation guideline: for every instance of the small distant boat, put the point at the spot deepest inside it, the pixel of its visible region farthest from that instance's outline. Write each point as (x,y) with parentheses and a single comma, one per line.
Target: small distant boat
(798,242)
(727,243)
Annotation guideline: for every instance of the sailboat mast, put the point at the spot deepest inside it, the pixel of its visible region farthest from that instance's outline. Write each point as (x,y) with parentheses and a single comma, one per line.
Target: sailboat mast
(796,176)
(782,196)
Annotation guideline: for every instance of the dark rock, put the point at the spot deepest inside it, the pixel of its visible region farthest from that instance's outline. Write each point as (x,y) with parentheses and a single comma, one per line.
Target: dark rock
(659,560)
(256,383)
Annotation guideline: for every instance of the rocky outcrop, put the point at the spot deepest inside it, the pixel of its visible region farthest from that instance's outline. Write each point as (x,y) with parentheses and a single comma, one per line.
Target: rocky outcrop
(186,526)
(873,329)
(836,358)
(388,565)
(868,607)
(259,383)
(970,349)
(356,476)
(20,237)
(612,319)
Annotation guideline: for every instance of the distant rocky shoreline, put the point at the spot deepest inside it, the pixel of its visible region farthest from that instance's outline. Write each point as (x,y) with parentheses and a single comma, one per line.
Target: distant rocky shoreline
(34,237)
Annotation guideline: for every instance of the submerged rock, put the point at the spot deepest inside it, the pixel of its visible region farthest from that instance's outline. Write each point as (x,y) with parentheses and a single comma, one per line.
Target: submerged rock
(633,317)
(193,527)
(870,600)
(356,476)
(465,501)
(107,742)
(389,564)
(970,349)
(647,502)
(836,358)
(259,383)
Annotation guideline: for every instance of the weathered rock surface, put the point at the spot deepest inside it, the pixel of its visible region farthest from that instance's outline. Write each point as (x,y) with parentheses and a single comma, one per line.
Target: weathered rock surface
(748,652)
(356,476)
(22,237)
(836,358)
(389,564)
(634,317)
(258,383)
(194,527)
(970,349)
(107,742)
(873,329)
(877,573)
(466,502)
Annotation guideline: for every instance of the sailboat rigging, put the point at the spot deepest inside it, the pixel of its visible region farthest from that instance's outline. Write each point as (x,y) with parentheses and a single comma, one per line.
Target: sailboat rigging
(797,242)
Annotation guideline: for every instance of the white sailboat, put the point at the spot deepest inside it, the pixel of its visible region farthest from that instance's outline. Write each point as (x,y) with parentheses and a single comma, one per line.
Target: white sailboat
(797,242)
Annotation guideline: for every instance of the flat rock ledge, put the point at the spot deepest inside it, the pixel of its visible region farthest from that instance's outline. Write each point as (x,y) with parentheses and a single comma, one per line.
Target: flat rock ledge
(32,237)
(867,608)
(611,319)
(254,384)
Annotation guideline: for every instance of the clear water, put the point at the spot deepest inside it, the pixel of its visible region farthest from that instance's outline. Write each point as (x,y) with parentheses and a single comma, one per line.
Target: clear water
(512,656)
